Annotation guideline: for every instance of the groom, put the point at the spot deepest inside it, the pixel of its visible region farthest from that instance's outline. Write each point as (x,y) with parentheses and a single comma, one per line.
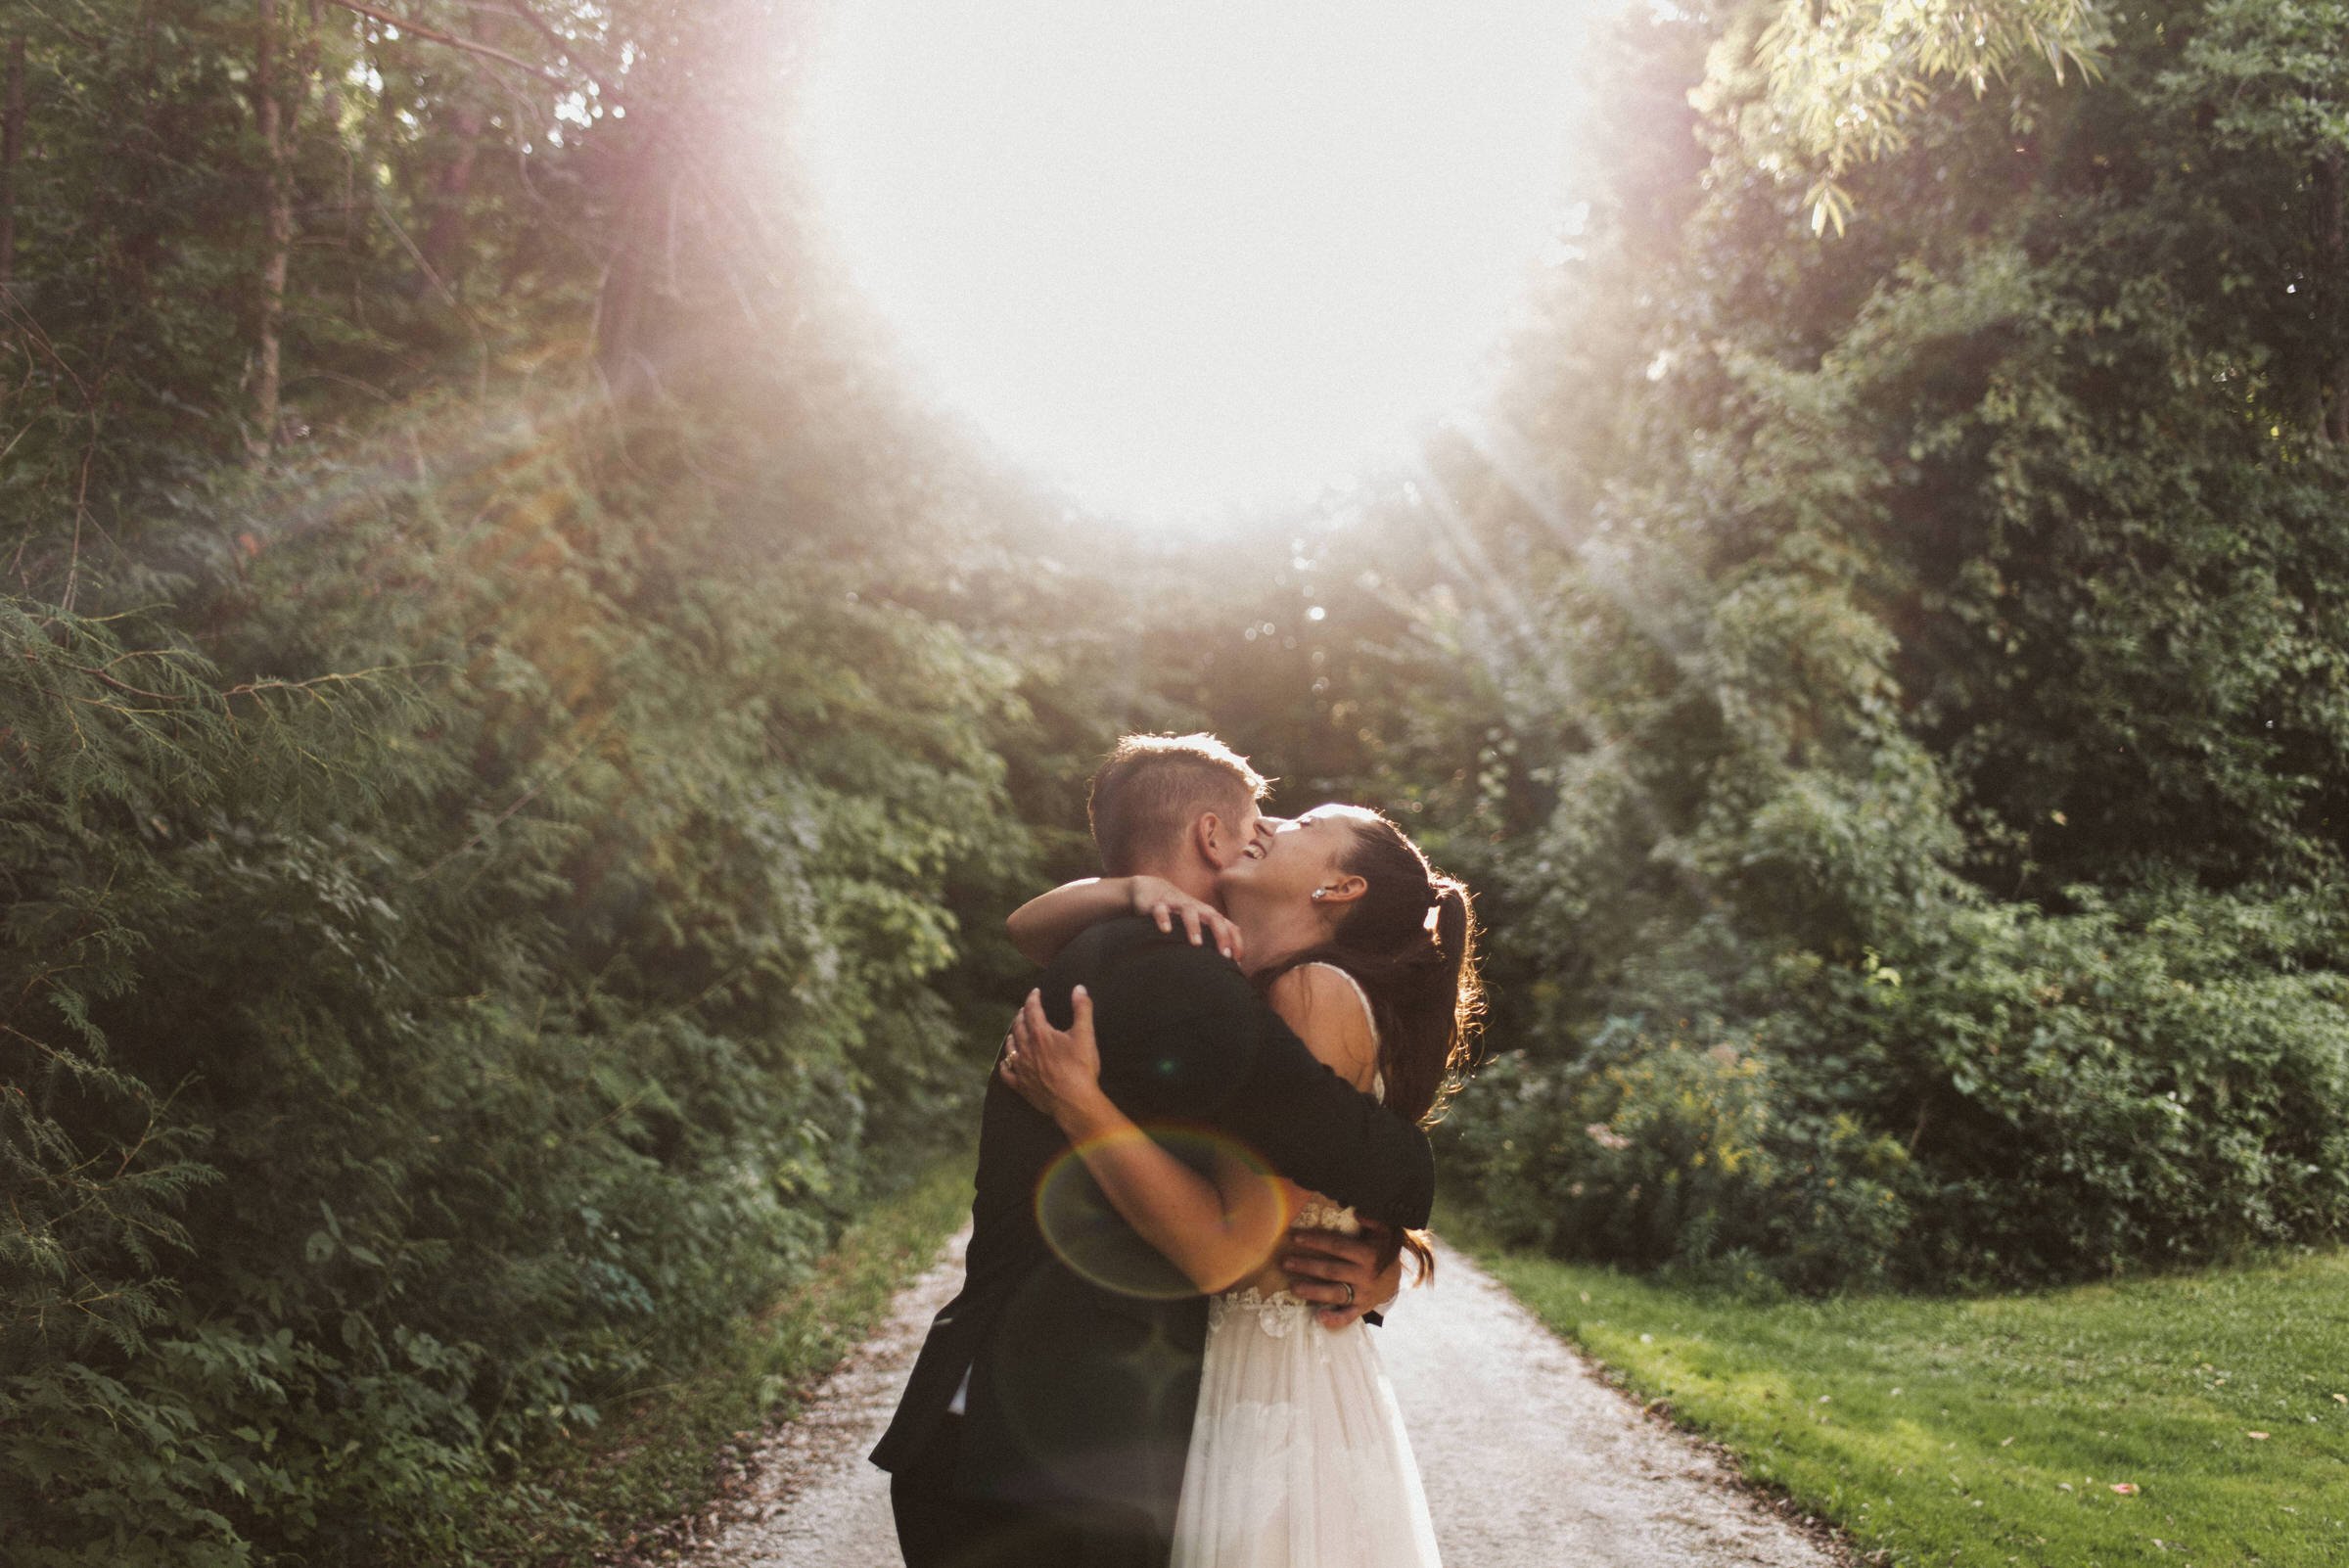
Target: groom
(1048,1418)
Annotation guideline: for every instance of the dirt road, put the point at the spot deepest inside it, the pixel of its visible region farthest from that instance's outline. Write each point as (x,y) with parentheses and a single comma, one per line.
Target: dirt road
(1531,1461)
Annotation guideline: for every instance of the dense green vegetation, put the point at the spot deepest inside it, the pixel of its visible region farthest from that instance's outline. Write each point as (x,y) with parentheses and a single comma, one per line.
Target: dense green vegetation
(516,734)
(417,1058)
(495,824)
(1891,691)
(2006,1428)
(637,1475)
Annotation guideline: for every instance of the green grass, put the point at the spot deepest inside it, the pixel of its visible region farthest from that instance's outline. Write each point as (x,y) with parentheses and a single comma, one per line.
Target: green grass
(658,1460)
(1991,1431)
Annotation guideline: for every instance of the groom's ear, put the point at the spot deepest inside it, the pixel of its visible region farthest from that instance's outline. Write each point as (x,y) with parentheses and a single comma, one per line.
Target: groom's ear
(1215,839)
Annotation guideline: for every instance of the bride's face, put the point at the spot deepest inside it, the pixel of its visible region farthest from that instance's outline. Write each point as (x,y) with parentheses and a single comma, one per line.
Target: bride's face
(1298,855)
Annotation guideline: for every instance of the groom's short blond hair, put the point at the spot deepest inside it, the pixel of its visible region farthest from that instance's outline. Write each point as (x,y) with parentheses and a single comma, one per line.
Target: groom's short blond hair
(1151,788)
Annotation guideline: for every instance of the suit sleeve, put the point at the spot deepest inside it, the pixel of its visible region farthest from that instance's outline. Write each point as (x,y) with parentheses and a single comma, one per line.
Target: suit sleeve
(1183,1035)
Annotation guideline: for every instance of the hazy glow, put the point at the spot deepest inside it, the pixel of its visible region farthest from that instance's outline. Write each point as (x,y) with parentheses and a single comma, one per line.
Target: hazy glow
(1087,1235)
(1181,255)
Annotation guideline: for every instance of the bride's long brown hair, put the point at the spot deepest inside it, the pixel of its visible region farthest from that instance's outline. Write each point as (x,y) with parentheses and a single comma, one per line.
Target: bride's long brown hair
(1411,942)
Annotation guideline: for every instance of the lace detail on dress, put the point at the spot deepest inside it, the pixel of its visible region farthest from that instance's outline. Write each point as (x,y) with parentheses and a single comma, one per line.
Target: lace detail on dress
(1277,1312)
(1322,1215)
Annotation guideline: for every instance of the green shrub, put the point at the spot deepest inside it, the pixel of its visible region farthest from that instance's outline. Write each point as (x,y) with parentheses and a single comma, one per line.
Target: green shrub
(1664,1154)
(2071,1093)
(399,1067)
(2159,1078)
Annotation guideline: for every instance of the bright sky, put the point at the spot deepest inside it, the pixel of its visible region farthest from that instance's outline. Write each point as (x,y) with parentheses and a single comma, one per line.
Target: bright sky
(1185,254)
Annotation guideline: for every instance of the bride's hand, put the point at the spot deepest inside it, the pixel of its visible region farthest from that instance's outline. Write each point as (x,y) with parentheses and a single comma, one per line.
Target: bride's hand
(1161,900)
(1057,1071)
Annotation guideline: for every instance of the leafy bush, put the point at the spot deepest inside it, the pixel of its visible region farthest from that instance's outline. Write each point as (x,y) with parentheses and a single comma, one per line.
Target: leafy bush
(2024,1096)
(2159,1078)
(414,1047)
(1658,1154)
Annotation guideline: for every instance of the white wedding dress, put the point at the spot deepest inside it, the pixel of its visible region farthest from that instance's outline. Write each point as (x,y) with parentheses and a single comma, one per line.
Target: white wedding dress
(1298,1457)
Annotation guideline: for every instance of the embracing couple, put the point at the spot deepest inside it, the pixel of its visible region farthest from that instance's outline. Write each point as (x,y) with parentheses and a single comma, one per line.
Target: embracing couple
(1201,1157)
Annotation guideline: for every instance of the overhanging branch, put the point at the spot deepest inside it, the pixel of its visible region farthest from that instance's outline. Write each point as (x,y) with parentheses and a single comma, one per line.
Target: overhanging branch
(468,45)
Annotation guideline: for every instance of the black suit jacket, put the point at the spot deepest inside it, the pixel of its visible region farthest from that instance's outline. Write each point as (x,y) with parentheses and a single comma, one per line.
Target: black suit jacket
(1083,1345)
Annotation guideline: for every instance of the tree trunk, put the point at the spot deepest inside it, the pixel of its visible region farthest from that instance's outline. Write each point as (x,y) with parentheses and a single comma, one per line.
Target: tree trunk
(330,111)
(443,245)
(278,244)
(2332,268)
(630,322)
(12,146)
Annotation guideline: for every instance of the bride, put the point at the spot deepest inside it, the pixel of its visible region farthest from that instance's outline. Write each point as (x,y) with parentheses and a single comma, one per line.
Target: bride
(1298,1456)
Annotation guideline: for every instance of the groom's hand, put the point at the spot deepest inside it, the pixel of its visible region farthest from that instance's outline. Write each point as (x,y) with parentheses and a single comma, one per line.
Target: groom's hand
(1340,1275)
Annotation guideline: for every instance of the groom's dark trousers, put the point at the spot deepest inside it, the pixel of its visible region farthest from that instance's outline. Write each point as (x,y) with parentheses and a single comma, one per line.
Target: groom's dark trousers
(1082,1345)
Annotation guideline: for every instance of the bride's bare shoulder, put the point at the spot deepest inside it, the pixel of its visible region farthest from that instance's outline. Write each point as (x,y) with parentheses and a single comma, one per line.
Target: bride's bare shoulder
(1325,1005)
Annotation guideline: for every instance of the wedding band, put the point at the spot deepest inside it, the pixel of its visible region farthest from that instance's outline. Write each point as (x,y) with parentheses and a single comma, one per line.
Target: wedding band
(1349,1285)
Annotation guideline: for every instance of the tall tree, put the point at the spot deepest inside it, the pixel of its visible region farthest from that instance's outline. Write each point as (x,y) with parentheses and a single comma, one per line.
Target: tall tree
(12,149)
(277,244)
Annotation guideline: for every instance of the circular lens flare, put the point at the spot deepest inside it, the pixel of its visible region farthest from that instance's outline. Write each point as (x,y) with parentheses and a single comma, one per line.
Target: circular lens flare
(1098,1246)
(1189,256)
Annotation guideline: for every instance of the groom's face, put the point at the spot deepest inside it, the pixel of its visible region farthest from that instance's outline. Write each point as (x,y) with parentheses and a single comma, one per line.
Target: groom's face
(1245,833)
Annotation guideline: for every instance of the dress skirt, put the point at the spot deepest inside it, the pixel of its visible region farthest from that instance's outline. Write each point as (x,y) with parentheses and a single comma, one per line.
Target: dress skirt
(1298,1457)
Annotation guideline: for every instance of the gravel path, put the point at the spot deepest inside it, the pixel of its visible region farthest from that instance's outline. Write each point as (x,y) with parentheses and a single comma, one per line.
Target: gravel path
(1531,1461)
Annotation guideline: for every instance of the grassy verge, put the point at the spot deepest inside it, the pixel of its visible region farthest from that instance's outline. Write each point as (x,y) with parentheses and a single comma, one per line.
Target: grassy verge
(2000,1430)
(661,1458)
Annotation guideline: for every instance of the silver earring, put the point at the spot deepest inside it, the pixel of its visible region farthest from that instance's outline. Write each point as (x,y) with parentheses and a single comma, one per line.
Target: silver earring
(1320,894)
